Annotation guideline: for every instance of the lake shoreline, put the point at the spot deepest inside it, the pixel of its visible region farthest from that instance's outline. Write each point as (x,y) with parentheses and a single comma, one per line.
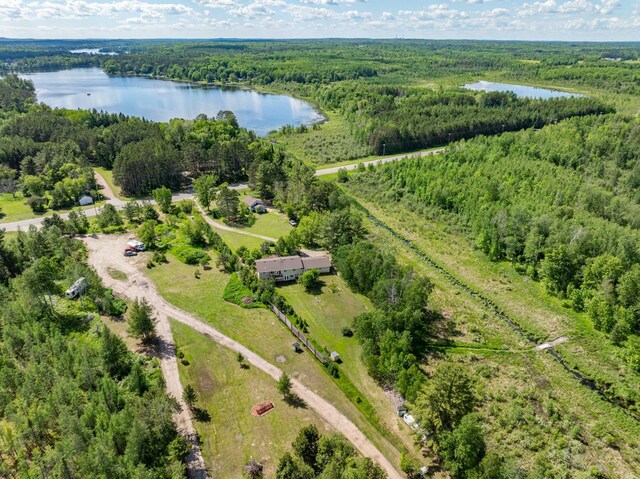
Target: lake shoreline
(263,110)
(240,86)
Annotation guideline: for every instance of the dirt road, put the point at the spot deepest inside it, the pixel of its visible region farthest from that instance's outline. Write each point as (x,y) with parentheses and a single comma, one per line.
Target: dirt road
(223,227)
(105,252)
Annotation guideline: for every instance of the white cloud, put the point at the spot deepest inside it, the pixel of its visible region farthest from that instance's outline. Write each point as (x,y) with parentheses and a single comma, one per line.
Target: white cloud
(217,3)
(495,12)
(331,2)
(602,7)
(434,12)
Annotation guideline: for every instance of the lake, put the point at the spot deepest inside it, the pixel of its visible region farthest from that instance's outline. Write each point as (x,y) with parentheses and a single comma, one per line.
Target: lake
(520,90)
(159,100)
(92,51)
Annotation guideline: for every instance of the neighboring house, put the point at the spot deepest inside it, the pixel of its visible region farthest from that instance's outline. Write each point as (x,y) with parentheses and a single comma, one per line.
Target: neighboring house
(254,204)
(85,200)
(288,268)
(76,289)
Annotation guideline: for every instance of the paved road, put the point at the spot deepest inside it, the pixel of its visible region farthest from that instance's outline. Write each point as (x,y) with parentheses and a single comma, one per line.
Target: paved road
(119,204)
(381,161)
(104,253)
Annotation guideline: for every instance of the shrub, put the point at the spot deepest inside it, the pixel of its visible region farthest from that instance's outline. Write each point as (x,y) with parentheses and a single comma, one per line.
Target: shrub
(159,257)
(234,291)
(188,254)
(347,332)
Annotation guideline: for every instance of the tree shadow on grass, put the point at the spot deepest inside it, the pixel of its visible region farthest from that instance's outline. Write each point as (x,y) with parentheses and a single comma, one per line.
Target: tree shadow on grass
(295,401)
(201,415)
(316,290)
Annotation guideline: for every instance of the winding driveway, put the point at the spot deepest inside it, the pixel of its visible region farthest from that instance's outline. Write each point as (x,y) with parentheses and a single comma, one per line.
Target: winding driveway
(104,253)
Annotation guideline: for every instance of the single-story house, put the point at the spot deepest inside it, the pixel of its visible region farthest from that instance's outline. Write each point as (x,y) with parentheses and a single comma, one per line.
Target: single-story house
(254,204)
(85,200)
(288,268)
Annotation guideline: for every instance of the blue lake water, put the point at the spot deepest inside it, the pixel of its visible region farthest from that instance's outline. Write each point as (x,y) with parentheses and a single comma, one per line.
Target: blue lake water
(92,51)
(159,100)
(522,91)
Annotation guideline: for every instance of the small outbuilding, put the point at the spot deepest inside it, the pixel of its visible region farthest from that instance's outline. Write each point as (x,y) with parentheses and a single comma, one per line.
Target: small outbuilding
(296,348)
(335,357)
(401,410)
(255,205)
(85,200)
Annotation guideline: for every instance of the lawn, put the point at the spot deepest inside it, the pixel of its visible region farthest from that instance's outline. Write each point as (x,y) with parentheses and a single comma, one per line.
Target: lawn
(108,177)
(228,392)
(273,224)
(329,310)
(329,143)
(260,331)
(235,240)
(16,209)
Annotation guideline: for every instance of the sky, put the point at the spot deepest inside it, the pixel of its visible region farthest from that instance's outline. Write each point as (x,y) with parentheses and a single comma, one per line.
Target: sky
(569,20)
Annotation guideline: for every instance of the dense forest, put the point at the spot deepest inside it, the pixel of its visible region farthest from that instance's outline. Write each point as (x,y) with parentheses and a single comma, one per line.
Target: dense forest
(561,204)
(392,119)
(73,401)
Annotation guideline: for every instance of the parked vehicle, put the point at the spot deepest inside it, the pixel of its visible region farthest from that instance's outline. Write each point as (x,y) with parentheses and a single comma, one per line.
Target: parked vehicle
(293,223)
(131,249)
(136,245)
(77,288)
(131,253)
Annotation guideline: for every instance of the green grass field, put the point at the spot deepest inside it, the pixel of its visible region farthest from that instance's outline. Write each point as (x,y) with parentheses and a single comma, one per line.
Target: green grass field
(235,240)
(272,223)
(260,331)
(16,209)
(331,142)
(108,177)
(228,392)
